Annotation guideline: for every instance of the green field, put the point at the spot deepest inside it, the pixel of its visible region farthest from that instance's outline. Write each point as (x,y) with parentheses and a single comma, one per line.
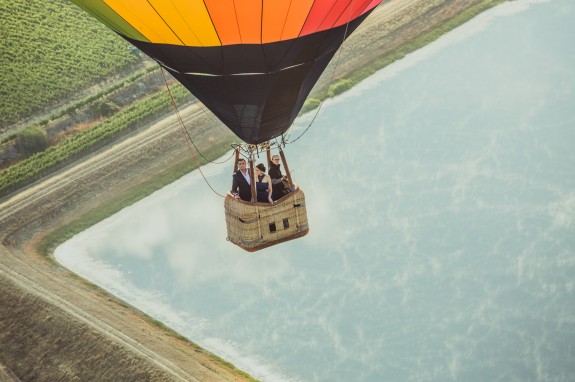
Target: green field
(87,141)
(48,51)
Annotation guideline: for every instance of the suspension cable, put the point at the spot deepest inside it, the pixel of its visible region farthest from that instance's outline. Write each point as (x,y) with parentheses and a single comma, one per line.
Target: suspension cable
(188,133)
(188,139)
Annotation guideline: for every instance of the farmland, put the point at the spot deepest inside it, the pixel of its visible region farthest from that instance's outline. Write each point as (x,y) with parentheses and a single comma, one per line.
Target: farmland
(87,141)
(50,50)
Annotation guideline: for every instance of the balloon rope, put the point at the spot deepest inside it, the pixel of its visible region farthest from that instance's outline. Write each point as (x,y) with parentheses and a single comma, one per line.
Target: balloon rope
(188,139)
(287,141)
(186,130)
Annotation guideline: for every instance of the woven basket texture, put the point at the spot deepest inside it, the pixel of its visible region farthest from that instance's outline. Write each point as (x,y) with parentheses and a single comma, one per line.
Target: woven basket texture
(254,225)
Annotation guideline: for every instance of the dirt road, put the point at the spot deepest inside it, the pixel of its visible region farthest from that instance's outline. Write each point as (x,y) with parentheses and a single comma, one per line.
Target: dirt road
(43,304)
(54,325)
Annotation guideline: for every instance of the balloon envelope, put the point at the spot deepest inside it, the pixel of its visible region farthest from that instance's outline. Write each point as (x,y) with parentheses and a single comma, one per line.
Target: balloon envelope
(251,62)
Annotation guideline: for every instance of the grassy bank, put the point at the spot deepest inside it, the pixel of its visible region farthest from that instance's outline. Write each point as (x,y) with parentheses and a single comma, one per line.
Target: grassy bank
(143,190)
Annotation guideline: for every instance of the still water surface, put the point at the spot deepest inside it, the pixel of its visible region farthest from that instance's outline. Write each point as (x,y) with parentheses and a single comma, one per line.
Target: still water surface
(441,200)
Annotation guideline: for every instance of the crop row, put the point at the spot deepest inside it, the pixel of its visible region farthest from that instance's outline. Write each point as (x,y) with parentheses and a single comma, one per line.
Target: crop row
(79,144)
(50,49)
(72,107)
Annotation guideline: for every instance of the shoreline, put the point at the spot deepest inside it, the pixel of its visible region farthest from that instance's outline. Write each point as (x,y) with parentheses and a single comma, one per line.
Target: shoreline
(49,212)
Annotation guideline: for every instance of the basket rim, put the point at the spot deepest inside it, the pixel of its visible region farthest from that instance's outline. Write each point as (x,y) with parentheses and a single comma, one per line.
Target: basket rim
(260,204)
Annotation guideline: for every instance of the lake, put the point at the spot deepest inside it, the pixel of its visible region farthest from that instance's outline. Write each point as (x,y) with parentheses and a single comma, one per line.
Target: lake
(441,201)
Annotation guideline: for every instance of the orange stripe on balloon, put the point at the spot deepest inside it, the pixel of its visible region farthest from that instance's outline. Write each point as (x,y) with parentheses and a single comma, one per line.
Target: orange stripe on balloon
(224,18)
(249,14)
(298,13)
(275,15)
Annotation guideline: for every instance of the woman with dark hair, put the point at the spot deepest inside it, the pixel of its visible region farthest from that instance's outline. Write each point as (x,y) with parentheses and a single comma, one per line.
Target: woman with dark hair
(263,184)
(277,178)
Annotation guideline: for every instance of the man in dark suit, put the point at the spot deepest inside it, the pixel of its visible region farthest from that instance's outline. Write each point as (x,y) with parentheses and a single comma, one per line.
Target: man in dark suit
(241,187)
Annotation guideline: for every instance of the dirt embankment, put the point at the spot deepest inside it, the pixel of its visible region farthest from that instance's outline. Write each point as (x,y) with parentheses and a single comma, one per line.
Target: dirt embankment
(55,326)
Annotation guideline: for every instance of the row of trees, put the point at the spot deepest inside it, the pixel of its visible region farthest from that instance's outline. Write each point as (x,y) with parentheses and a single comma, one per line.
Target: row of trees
(54,157)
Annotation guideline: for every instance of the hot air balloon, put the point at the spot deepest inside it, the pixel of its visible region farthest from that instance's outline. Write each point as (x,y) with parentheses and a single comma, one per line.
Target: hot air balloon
(252,63)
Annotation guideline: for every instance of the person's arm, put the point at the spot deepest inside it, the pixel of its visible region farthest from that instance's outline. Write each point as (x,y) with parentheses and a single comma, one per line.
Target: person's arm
(235,186)
(269,190)
(267,180)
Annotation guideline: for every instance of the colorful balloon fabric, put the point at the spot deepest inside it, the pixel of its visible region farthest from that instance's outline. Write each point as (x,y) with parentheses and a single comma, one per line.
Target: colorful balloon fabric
(251,62)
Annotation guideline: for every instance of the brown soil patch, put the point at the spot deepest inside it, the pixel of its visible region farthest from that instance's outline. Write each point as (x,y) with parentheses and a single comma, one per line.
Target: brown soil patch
(54,326)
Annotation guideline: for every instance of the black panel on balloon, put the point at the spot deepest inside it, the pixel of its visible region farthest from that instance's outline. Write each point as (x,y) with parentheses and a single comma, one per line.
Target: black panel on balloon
(256,90)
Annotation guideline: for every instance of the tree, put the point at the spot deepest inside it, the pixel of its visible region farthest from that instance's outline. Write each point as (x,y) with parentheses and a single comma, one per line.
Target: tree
(31,140)
(105,108)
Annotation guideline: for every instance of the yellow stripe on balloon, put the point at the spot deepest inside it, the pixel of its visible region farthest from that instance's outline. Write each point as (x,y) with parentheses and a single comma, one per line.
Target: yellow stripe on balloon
(189,20)
(141,15)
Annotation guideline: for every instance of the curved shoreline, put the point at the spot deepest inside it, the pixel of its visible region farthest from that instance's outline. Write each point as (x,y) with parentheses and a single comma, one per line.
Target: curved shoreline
(57,326)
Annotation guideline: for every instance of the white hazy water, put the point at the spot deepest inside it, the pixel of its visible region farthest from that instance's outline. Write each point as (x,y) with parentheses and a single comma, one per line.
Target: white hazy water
(441,199)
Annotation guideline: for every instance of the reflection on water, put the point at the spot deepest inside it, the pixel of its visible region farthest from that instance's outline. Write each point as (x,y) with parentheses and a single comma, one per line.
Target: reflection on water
(441,200)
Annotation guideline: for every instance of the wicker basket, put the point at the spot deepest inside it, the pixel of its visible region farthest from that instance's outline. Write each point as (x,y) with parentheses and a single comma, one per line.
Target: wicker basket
(253,226)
